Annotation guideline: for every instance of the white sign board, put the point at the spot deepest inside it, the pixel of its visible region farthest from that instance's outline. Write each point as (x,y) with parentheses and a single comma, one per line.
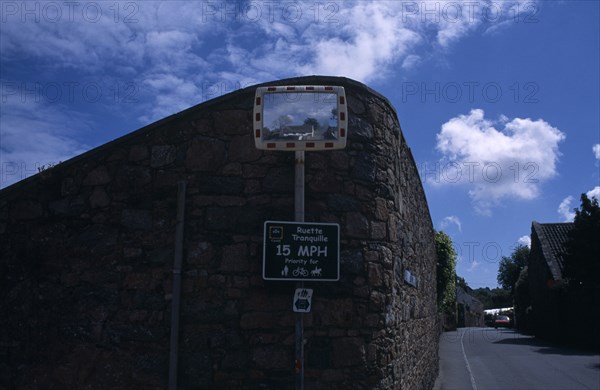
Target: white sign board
(301,251)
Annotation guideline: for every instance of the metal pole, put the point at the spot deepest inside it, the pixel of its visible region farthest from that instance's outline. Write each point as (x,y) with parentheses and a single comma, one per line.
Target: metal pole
(299,216)
(174,352)
(299,187)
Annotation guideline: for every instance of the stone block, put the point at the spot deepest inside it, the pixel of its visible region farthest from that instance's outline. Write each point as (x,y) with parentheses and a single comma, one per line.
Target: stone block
(138,152)
(68,187)
(132,178)
(356,226)
(233,122)
(162,155)
(27,209)
(221,185)
(375,273)
(279,179)
(99,198)
(242,149)
(235,258)
(97,177)
(348,351)
(325,181)
(206,155)
(378,230)
(136,219)
(364,167)
(352,262)
(272,357)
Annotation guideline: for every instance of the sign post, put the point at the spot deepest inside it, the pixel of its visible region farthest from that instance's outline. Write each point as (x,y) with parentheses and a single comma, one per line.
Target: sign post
(299,118)
(299,216)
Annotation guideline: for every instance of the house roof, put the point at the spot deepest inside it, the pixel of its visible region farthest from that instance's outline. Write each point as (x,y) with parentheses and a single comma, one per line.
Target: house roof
(463,296)
(552,237)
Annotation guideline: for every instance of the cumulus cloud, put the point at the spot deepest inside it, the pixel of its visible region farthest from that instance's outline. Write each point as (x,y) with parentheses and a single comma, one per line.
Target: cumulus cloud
(524,240)
(451,220)
(473,266)
(510,162)
(174,54)
(370,29)
(594,193)
(35,134)
(565,209)
(596,150)
(254,41)
(328,39)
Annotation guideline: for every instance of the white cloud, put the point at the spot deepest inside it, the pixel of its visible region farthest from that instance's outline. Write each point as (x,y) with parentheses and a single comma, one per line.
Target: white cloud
(451,220)
(594,193)
(175,54)
(411,61)
(173,94)
(371,30)
(596,150)
(382,33)
(36,134)
(473,266)
(565,209)
(524,240)
(257,40)
(497,163)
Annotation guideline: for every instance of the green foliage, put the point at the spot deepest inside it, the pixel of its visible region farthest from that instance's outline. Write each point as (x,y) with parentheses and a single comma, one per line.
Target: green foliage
(312,122)
(510,267)
(446,272)
(493,298)
(522,300)
(582,261)
(462,283)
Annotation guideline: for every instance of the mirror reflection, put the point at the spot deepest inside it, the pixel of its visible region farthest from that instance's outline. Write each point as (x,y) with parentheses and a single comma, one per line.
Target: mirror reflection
(300,116)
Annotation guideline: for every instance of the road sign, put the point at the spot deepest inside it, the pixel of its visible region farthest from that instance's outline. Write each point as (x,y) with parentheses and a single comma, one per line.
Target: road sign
(301,251)
(302,300)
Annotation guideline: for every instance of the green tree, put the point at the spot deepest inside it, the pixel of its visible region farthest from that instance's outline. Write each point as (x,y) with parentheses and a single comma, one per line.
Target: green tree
(312,122)
(462,283)
(522,300)
(446,272)
(510,267)
(493,298)
(582,260)
(282,121)
(334,114)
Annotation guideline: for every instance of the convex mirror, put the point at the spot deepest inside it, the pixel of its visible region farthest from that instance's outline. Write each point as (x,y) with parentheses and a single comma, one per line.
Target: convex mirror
(309,117)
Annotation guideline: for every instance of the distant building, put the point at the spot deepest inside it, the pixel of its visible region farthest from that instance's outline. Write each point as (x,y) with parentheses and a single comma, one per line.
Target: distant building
(546,267)
(559,309)
(298,130)
(469,309)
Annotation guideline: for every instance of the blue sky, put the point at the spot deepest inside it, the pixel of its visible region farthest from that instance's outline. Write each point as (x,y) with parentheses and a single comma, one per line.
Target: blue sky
(499,100)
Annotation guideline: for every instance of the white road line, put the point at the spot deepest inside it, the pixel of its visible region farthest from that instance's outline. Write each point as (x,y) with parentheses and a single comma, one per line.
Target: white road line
(462,345)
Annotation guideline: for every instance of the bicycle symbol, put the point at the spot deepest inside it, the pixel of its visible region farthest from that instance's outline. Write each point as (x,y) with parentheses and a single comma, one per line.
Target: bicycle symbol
(300,271)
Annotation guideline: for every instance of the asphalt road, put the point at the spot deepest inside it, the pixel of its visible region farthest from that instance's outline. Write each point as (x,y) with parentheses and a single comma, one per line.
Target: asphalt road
(490,359)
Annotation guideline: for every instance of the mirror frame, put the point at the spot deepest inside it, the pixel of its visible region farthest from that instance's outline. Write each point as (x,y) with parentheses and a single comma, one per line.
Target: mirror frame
(297,145)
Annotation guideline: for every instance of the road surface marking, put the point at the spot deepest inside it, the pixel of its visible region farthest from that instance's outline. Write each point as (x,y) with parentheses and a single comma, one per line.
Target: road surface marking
(462,345)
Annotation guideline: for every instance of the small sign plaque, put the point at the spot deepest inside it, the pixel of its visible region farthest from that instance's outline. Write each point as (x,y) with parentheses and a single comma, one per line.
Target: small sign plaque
(302,300)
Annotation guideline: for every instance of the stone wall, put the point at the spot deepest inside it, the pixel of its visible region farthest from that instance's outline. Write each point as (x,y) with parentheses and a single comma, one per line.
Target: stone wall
(87,255)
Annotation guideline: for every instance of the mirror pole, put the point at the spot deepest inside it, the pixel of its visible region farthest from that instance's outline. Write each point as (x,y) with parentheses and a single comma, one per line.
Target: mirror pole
(299,187)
